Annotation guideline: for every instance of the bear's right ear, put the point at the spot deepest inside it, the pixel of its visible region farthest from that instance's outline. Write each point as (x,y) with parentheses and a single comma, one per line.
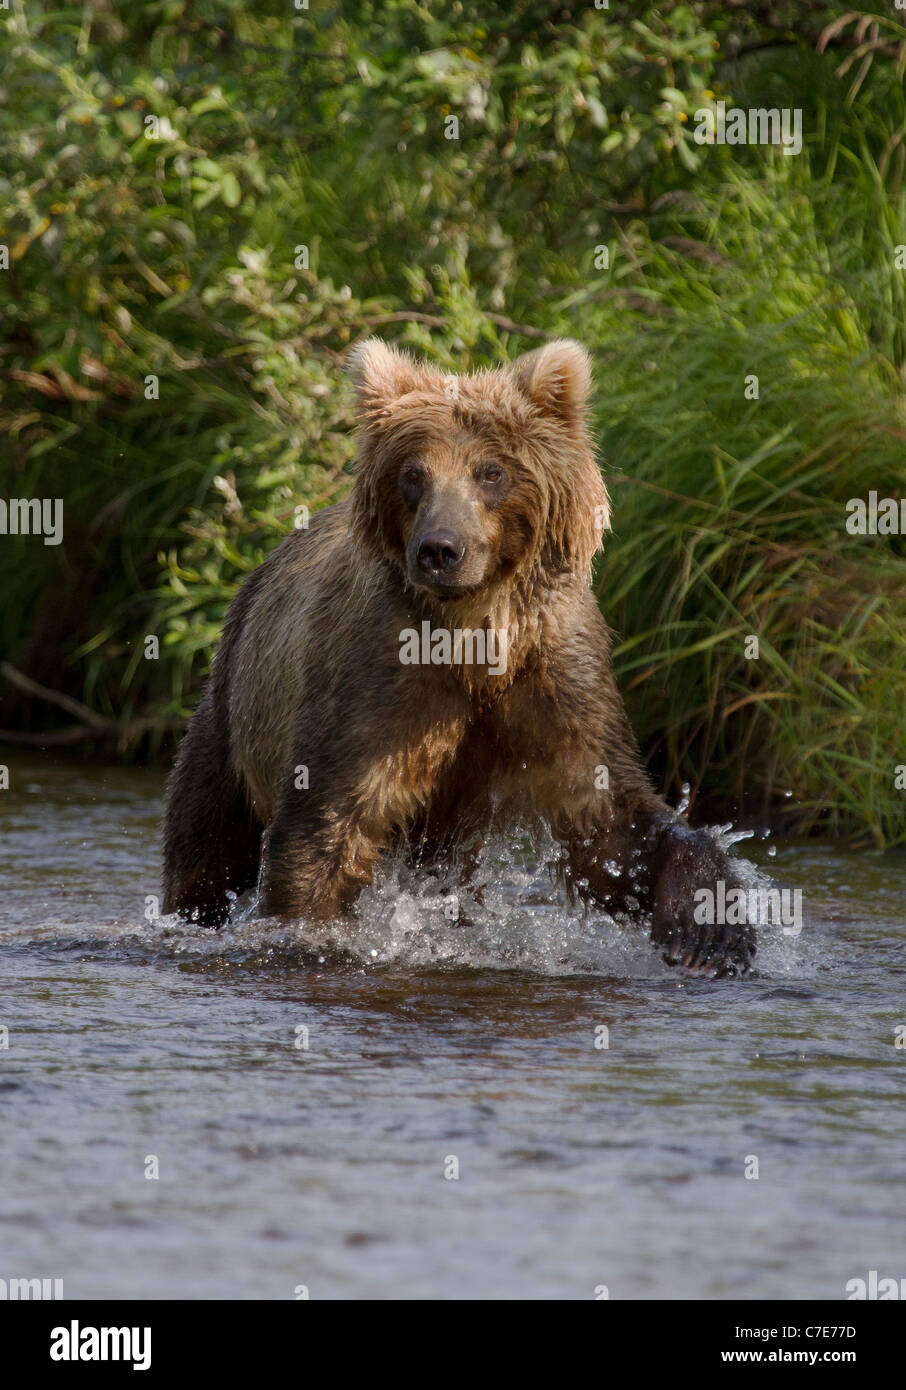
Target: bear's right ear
(381,374)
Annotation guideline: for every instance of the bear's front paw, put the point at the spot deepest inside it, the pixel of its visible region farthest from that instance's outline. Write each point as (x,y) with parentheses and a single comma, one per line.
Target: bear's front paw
(694,876)
(718,951)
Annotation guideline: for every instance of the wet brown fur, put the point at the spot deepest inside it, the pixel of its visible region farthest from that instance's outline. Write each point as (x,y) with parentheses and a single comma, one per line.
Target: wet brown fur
(308,674)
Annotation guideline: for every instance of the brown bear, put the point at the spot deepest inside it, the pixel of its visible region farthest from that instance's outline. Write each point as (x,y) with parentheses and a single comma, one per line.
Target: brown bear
(427,664)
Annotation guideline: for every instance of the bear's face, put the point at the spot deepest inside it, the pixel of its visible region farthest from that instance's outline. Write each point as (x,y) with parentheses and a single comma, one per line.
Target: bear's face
(458,510)
(465,481)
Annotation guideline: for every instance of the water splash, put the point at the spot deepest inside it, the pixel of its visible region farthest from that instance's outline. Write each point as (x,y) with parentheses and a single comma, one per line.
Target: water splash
(515,918)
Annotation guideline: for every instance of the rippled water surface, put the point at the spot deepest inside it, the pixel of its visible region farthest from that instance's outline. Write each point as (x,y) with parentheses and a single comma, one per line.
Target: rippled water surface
(432,1044)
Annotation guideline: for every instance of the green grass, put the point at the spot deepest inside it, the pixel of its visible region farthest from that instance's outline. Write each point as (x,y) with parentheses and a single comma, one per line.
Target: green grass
(730,513)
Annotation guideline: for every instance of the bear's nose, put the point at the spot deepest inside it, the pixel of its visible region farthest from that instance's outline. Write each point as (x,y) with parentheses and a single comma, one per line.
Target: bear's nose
(439,552)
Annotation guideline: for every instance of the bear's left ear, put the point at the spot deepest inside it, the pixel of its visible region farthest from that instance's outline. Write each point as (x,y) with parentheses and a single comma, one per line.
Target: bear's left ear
(381,374)
(557,379)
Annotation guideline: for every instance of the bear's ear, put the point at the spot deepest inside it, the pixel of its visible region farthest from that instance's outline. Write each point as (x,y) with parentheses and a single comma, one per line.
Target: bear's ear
(381,374)
(557,379)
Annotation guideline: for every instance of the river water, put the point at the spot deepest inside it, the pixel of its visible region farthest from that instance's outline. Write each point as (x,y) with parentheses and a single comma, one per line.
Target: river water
(306,1098)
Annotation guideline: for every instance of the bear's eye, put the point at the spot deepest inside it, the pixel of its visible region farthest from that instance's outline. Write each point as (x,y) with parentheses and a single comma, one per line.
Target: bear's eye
(411,476)
(491,473)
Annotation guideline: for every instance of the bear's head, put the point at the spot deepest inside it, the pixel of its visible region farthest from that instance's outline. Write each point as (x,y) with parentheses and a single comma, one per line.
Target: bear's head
(468,482)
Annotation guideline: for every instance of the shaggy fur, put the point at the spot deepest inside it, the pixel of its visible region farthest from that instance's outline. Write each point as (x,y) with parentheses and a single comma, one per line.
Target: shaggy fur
(477,503)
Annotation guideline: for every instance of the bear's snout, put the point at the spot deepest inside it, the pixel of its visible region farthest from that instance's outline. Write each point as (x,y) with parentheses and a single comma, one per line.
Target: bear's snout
(448,549)
(440,553)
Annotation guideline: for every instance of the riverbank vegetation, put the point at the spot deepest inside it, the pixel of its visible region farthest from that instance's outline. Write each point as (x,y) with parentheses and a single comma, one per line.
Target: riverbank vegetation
(206,205)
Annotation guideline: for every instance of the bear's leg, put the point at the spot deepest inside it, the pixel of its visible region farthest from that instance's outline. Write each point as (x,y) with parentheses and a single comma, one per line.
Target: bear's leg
(623,846)
(315,873)
(655,862)
(212,840)
(370,775)
(685,861)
